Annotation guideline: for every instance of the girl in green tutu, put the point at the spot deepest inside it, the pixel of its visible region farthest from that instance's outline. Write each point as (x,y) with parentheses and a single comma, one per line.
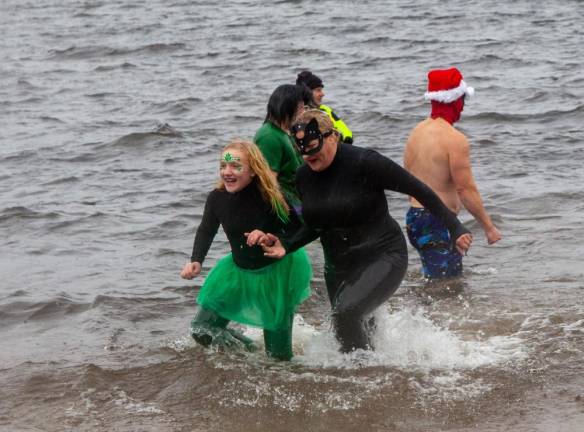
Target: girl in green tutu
(246,286)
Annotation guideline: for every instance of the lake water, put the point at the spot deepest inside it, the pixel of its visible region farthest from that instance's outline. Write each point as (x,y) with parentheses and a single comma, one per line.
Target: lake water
(113,116)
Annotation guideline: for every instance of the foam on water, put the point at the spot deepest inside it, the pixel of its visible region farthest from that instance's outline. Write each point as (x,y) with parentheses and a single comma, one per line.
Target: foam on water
(91,400)
(135,407)
(289,397)
(483,271)
(408,339)
(181,344)
(405,339)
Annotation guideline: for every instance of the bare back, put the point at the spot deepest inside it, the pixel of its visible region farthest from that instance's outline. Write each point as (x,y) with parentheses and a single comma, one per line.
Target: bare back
(427,156)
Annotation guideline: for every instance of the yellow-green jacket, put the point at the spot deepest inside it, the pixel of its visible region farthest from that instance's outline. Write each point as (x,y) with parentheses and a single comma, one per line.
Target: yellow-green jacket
(338,124)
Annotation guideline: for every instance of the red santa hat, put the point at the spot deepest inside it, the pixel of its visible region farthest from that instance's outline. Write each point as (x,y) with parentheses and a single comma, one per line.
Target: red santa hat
(446,86)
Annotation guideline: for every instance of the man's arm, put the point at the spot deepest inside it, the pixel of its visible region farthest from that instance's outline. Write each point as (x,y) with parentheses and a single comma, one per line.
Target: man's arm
(461,172)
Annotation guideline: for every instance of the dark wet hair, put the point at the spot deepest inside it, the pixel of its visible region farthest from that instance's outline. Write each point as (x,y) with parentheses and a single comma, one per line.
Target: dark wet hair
(307,97)
(283,103)
(309,79)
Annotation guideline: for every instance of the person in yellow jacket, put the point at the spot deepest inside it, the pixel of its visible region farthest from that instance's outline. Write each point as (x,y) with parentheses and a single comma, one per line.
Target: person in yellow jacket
(314,83)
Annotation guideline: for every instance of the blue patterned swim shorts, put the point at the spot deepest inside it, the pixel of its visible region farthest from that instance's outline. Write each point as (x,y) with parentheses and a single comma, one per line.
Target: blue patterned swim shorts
(431,239)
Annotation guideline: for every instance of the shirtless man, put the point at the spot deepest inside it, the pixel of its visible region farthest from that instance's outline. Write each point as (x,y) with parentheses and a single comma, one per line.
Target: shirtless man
(439,155)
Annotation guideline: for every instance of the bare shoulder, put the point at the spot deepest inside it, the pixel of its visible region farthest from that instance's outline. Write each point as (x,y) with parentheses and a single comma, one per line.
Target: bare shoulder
(420,127)
(458,142)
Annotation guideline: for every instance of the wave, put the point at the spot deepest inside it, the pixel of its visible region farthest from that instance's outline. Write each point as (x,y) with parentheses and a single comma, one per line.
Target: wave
(541,207)
(376,118)
(486,142)
(141,138)
(183,290)
(28,100)
(169,253)
(84,157)
(99,51)
(161,230)
(76,221)
(23,311)
(51,119)
(19,213)
(137,309)
(27,84)
(17,293)
(63,180)
(491,60)
(306,51)
(22,155)
(195,202)
(125,65)
(542,116)
(376,40)
(178,106)
(100,95)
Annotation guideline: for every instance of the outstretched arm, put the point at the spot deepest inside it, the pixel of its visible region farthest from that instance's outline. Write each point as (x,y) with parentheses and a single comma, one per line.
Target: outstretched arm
(391,176)
(277,247)
(205,232)
(461,172)
(295,237)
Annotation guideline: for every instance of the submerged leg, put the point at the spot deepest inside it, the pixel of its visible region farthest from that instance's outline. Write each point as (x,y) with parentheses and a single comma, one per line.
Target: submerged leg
(208,328)
(358,292)
(279,342)
(350,331)
(234,338)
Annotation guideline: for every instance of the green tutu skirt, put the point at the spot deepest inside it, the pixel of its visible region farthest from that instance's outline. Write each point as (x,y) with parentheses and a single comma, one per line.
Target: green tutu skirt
(264,297)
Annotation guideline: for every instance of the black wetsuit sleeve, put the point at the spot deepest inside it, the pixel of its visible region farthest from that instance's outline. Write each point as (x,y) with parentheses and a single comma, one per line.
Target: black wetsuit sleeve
(205,233)
(392,176)
(294,238)
(296,233)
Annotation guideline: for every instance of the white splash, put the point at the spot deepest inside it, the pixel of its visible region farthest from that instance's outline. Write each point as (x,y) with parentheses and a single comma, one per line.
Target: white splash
(134,407)
(409,340)
(484,271)
(404,339)
(181,344)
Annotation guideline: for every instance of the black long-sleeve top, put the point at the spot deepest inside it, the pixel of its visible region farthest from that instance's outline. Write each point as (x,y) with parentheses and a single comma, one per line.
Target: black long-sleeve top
(345,205)
(238,213)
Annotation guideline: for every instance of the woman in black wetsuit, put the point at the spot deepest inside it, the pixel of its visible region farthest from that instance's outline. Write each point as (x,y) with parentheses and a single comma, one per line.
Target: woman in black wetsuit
(343,202)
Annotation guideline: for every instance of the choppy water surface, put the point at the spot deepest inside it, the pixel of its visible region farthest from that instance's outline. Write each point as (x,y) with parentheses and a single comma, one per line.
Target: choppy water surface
(113,114)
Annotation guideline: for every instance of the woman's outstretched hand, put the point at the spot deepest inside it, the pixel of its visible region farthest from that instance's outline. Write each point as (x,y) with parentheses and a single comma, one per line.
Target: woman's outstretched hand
(272,246)
(191,270)
(463,243)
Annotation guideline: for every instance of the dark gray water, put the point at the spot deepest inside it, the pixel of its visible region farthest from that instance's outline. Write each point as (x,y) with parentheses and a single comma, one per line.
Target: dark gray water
(113,114)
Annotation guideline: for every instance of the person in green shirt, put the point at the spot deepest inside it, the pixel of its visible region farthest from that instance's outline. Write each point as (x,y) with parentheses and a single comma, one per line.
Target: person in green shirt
(315,84)
(274,140)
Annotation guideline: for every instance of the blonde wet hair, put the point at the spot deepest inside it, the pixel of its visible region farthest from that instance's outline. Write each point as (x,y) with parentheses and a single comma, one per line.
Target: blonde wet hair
(267,182)
(324,121)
